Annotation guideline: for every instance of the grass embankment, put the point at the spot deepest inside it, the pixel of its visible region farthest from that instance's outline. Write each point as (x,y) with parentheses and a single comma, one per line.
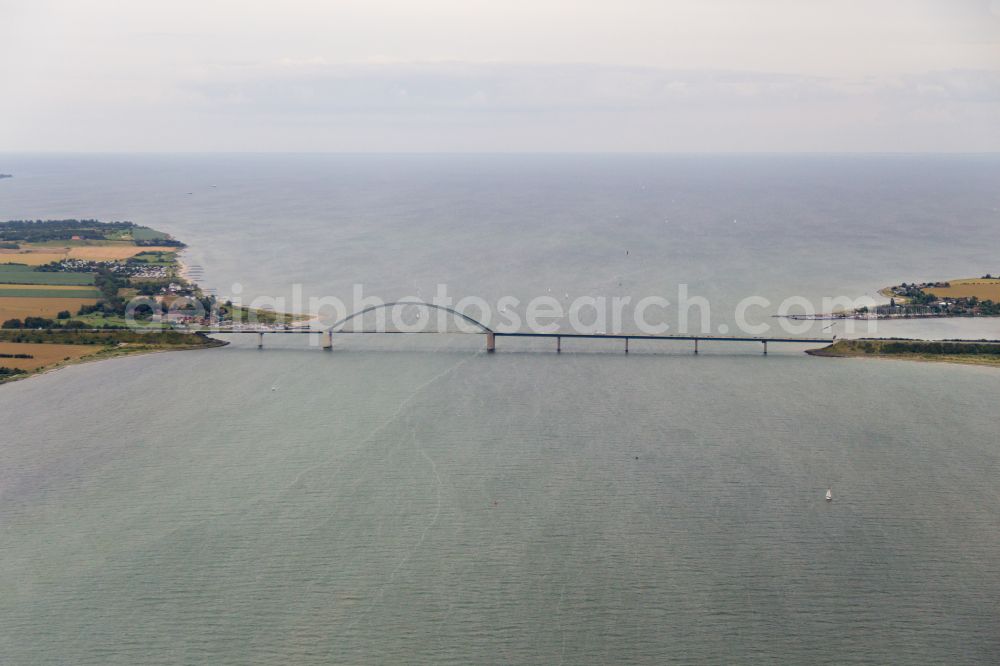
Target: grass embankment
(248,316)
(55,348)
(949,351)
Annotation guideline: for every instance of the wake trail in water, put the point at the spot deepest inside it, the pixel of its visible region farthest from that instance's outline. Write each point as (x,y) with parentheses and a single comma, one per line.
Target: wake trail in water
(400,409)
(427,528)
(437,486)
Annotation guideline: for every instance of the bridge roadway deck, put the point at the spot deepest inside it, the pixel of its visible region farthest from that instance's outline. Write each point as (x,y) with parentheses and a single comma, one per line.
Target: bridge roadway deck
(516,334)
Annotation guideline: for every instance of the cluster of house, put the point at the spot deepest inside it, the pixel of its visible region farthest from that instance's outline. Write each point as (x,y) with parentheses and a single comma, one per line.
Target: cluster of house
(920,302)
(178,289)
(197,319)
(178,306)
(915,289)
(181,318)
(136,270)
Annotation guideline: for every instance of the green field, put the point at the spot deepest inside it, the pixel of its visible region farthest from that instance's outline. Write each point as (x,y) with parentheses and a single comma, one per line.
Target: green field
(20,274)
(147,234)
(155,258)
(49,293)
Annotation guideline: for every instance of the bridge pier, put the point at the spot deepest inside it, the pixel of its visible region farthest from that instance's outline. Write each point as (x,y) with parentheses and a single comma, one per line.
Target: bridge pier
(765,347)
(558,345)
(491,342)
(626,345)
(260,340)
(329,341)
(696,346)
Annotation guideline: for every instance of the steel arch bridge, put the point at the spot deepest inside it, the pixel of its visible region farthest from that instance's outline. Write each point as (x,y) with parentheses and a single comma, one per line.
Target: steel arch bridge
(483,328)
(491,335)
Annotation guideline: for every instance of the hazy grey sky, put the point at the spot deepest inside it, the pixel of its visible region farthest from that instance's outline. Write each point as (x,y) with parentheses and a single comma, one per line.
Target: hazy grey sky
(523,75)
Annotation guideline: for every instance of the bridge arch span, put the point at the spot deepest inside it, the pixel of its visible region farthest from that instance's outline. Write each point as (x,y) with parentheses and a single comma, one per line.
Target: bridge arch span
(385,306)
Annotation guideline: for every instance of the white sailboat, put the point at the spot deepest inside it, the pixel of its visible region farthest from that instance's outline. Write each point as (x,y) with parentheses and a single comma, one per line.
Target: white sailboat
(829,494)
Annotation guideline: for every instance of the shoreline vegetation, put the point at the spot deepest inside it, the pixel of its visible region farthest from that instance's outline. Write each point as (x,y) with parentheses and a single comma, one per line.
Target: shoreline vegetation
(969,352)
(42,351)
(73,291)
(963,297)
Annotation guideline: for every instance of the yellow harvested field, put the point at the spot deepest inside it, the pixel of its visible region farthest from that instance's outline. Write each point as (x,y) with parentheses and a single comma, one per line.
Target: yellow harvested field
(113,253)
(29,258)
(43,354)
(12,307)
(981,288)
(44,254)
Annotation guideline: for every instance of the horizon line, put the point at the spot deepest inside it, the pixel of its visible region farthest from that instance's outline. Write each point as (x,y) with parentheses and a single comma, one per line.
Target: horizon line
(508,153)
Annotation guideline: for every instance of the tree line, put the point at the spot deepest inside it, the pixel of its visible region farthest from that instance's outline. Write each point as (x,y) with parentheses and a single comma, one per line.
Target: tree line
(34,231)
(43,322)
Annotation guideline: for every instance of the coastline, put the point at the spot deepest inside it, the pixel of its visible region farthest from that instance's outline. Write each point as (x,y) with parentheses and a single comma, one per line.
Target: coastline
(291,319)
(953,360)
(183,270)
(951,351)
(938,300)
(173,280)
(113,353)
(106,334)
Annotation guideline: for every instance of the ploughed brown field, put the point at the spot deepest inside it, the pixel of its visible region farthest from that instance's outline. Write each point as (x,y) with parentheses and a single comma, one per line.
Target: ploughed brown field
(13,307)
(44,354)
(981,288)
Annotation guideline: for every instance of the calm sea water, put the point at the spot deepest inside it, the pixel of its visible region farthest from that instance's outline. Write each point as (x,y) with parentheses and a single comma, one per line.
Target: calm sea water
(416,500)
